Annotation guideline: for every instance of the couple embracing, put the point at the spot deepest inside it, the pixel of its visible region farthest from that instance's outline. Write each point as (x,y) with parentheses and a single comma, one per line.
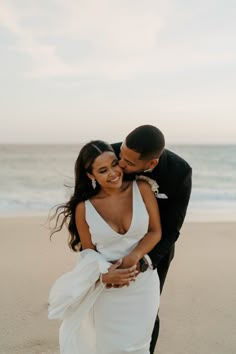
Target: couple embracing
(128,205)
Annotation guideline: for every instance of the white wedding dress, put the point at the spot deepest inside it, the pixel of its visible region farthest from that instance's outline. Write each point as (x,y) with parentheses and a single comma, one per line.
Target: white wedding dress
(97,320)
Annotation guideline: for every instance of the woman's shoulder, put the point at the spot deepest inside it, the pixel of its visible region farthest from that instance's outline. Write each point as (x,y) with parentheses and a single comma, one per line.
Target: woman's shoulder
(80,208)
(146,190)
(143,185)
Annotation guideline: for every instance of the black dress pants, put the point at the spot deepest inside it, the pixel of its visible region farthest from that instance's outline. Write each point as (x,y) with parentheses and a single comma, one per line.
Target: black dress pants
(162,270)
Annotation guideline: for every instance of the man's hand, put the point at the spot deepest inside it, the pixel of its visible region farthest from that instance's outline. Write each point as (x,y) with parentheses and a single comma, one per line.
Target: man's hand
(116,277)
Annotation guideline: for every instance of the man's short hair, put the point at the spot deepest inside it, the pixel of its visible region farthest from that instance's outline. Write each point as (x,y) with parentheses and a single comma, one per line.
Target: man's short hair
(147,140)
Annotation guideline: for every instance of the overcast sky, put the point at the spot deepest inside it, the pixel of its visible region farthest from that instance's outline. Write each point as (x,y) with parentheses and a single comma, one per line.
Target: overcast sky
(74,70)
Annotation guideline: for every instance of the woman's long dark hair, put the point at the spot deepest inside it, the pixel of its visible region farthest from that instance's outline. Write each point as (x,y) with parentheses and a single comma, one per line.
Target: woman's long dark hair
(83,190)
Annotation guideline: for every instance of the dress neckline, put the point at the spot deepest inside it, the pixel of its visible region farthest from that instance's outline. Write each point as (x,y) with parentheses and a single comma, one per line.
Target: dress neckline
(109,226)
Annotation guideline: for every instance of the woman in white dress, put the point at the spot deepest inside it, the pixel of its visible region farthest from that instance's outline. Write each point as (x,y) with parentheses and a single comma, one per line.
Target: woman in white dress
(107,305)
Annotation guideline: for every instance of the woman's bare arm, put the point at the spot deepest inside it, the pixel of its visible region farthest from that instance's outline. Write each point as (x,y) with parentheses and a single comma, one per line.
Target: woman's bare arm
(83,228)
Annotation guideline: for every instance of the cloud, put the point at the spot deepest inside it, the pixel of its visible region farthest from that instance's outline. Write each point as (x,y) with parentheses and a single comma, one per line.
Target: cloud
(119,36)
(44,58)
(110,39)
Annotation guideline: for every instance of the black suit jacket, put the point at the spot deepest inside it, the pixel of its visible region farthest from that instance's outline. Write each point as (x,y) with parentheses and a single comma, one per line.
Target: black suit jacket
(174,177)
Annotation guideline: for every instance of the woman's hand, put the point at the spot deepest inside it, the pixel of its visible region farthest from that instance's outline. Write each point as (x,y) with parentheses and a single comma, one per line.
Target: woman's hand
(118,276)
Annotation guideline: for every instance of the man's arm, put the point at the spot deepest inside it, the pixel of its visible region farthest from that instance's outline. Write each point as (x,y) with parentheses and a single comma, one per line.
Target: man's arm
(173,221)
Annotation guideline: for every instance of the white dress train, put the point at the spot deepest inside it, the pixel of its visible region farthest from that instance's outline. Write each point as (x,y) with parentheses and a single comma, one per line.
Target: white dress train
(97,320)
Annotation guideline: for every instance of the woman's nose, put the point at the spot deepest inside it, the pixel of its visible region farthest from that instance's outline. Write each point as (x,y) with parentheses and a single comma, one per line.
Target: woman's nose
(112,172)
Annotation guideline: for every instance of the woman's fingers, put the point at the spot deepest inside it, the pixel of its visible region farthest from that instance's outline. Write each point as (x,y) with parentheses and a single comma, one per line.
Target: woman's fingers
(116,277)
(125,277)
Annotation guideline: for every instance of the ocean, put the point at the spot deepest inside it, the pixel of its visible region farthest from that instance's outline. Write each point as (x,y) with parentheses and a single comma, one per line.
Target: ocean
(34,178)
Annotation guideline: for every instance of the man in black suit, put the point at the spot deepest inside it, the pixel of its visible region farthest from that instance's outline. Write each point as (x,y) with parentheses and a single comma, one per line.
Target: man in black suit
(143,152)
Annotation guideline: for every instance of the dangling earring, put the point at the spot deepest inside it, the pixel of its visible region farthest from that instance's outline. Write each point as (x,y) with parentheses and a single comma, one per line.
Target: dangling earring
(94,183)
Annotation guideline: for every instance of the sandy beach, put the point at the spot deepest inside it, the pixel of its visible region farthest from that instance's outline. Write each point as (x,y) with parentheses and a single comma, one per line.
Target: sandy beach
(198,304)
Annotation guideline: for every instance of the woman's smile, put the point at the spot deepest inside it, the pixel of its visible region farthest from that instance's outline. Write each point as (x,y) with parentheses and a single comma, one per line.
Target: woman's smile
(114,180)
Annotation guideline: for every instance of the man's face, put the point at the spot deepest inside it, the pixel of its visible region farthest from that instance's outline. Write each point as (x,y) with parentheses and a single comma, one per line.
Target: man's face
(130,162)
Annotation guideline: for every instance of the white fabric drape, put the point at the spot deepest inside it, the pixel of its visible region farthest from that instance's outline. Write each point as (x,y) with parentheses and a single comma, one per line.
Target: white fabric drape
(71,299)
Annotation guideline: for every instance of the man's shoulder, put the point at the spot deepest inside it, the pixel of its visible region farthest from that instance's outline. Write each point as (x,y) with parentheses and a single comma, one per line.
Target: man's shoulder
(171,171)
(172,166)
(171,158)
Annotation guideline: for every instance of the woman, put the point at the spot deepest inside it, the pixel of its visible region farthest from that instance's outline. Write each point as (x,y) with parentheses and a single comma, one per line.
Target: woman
(114,221)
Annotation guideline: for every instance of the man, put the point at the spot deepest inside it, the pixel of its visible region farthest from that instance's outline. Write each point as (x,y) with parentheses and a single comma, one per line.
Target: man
(143,152)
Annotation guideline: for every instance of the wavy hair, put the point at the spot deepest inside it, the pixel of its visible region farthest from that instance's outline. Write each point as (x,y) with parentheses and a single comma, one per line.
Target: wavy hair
(83,190)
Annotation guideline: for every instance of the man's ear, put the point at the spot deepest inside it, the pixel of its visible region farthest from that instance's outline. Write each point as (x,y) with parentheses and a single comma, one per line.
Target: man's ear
(154,163)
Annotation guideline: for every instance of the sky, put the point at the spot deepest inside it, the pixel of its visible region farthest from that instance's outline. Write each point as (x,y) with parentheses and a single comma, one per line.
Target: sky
(75,70)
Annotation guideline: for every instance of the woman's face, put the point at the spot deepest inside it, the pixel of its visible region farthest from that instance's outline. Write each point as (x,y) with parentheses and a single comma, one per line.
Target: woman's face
(106,170)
